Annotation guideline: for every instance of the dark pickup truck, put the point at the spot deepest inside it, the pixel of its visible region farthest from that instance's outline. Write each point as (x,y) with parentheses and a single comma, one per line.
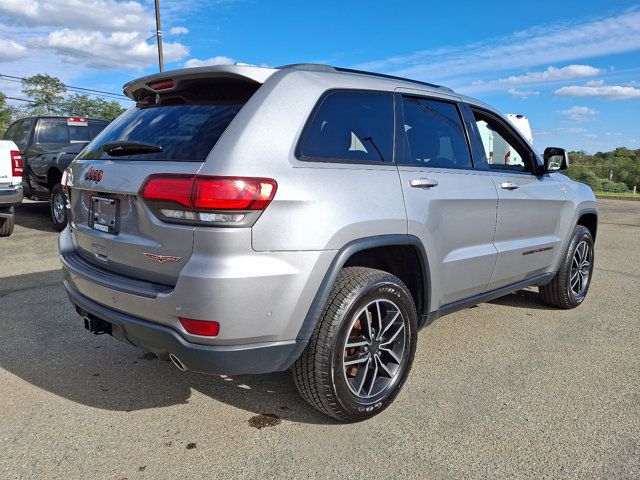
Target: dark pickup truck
(48,144)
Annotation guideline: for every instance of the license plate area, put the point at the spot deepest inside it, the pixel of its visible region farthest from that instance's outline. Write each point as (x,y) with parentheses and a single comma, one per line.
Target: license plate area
(104,214)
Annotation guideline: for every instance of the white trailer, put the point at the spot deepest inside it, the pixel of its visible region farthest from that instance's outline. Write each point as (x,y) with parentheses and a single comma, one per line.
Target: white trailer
(497,150)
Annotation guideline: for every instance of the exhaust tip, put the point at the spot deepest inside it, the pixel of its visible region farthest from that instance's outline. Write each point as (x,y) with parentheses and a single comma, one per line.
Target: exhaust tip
(176,361)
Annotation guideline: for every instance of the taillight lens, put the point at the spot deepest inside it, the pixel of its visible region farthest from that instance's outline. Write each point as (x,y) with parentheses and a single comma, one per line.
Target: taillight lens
(233,193)
(17,165)
(196,199)
(207,328)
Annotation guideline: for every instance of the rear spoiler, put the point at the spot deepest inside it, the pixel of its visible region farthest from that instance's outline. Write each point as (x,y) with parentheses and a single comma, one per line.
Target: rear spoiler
(169,81)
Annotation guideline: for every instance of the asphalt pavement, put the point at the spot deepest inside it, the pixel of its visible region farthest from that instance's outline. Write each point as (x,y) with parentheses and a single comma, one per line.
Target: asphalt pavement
(507,389)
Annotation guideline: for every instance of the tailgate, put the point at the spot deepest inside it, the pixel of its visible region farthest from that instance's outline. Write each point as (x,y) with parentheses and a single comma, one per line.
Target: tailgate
(114,229)
(177,120)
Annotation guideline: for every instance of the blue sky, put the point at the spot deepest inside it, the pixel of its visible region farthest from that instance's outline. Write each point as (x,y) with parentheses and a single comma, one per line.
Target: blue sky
(573,70)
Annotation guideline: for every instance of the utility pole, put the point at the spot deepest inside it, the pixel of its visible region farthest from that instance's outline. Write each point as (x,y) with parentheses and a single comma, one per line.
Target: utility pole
(159,36)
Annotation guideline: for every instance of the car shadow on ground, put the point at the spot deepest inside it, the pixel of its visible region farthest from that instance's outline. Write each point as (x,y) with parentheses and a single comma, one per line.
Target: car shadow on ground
(35,215)
(529,299)
(43,342)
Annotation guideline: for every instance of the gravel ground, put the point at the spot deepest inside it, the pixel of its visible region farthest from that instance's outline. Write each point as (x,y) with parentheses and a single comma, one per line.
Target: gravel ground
(508,389)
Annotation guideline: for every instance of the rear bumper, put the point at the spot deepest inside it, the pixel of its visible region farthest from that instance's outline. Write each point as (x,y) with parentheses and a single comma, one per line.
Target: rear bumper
(10,196)
(163,340)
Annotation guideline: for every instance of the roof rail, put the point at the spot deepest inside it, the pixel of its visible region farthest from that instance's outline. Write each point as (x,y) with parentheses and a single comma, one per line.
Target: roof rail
(392,77)
(318,67)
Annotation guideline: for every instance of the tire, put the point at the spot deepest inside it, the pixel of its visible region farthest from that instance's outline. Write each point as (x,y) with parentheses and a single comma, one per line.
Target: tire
(7,224)
(570,285)
(352,393)
(58,207)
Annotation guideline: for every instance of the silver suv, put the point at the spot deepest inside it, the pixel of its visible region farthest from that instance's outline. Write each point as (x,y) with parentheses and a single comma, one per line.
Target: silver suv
(249,220)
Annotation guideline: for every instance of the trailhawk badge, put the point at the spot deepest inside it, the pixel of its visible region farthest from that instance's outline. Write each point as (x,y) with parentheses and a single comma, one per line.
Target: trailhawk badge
(162,258)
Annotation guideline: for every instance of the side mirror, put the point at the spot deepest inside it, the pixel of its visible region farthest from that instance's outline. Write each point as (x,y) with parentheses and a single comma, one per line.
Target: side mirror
(555,159)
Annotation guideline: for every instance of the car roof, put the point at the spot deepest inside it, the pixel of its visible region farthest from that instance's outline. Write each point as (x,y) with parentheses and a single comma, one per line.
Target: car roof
(363,79)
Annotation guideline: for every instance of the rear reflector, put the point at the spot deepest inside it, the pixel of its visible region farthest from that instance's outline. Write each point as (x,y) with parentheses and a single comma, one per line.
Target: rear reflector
(207,200)
(207,328)
(16,163)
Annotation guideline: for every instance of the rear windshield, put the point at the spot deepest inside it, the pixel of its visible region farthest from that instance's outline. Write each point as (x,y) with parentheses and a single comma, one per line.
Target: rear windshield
(185,132)
(61,130)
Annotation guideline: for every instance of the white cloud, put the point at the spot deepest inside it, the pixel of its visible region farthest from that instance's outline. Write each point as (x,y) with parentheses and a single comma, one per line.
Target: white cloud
(522,93)
(595,83)
(101,15)
(590,135)
(579,114)
(219,60)
(105,34)
(547,44)
(571,130)
(614,134)
(605,92)
(179,31)
(114,50)
(10,50)
(541,133)
(552,74)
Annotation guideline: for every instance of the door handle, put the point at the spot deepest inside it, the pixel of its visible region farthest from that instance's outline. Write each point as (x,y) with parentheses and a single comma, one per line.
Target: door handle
(423,183)
(509,186)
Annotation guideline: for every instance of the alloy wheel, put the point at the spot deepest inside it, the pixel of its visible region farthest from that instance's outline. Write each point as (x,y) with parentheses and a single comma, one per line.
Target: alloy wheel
(373,354)
(580,269)
(58,207)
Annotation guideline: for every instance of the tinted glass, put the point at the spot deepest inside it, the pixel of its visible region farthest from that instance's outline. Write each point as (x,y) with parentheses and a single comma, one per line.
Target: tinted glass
(10,134)
(184,132)
(52,130)
(351,126)
(19,132)
(96,127)
(434,135)
(79,133)
(501,153)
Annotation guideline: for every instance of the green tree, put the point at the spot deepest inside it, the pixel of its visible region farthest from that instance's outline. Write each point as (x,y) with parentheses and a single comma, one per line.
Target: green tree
(82,105)
(5,114)
(46,92)
(614,171)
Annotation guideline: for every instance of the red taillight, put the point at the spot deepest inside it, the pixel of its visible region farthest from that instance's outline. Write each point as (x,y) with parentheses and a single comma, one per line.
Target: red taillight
(233,193)
(169,188)
(16,163)
(192,198)
(207,328)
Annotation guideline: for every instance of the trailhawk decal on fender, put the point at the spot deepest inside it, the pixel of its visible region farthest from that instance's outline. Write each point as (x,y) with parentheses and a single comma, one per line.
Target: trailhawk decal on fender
(162,258)
(537,250)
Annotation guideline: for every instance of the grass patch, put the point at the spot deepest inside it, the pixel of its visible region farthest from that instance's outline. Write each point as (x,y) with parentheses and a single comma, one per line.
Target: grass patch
(618,194)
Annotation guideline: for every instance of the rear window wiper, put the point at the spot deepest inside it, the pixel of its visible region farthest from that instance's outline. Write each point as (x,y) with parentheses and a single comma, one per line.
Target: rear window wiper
(119,149)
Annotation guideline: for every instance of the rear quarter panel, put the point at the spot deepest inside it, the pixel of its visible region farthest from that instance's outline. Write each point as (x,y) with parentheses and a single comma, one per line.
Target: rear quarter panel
(318,206)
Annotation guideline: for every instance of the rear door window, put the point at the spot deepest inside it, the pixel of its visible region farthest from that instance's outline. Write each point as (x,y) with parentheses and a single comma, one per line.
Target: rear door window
(434,134)
(350,127)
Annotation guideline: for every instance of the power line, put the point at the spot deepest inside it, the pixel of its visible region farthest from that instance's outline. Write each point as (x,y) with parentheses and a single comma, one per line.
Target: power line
(70,87)
(20,99)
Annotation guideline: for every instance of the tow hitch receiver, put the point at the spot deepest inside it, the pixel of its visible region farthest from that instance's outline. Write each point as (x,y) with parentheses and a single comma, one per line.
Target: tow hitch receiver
(97,326)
